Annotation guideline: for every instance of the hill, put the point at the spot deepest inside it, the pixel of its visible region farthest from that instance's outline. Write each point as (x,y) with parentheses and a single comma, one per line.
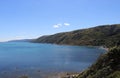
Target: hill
(105,35)
(107,66)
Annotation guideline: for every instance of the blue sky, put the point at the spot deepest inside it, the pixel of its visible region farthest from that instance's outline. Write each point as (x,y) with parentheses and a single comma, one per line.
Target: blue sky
(21,19)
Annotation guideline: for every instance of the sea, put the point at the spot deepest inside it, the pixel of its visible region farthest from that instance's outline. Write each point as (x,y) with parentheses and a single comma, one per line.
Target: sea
(37,60)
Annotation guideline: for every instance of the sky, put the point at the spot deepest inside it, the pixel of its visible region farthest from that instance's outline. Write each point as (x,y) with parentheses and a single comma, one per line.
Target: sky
(26,19)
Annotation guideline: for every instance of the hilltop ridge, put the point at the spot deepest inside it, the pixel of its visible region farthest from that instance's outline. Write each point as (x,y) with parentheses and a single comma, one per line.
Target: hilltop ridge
(105,35)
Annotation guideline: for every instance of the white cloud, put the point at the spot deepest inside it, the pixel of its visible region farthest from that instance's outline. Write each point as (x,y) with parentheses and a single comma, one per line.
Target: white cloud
(60,25)
(66,24)
(57,25)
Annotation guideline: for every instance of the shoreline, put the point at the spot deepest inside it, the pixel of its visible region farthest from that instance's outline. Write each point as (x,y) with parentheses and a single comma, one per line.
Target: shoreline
(38,74)
(102,47)
(105,48)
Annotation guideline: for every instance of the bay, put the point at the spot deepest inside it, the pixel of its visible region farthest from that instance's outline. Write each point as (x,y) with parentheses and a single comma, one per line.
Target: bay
(25,56)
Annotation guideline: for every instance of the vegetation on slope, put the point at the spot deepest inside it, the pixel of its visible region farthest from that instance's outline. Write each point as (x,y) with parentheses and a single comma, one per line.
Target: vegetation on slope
(107,66)
(106,35)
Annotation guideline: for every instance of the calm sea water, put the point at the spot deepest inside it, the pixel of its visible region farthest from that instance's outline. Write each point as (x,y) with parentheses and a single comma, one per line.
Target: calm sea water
(46,57)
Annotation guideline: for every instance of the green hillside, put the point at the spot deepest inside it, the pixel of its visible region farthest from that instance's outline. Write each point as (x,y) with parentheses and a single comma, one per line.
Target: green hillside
(107,66)
(106,35)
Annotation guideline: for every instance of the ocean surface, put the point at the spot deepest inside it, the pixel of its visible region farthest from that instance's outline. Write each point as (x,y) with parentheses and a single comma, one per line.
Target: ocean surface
(33,59)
